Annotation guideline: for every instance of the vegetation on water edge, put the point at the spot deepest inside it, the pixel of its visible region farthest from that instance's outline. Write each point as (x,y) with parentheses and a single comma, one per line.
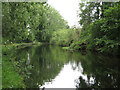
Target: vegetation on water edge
(15,70)
(29,22)
(100,30)
(99,21)
(10,76)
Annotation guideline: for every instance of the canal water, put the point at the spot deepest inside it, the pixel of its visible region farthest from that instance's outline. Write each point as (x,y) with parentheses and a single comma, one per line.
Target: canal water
(52,67)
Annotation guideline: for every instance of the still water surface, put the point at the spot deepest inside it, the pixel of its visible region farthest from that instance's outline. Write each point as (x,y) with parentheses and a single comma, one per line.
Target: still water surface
(52,67)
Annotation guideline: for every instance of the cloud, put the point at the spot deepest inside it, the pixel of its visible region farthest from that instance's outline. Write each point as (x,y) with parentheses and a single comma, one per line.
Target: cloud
(68,9)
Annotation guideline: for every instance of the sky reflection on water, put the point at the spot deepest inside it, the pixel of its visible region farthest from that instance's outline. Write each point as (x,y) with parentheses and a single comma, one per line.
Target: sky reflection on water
(68,77)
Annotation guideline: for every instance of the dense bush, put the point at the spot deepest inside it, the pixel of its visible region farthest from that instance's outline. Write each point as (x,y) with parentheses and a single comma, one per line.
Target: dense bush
(102,33)
(105,34)
(65,37)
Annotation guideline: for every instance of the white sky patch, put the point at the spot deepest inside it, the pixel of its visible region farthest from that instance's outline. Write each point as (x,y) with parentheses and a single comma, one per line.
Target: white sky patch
(68,10)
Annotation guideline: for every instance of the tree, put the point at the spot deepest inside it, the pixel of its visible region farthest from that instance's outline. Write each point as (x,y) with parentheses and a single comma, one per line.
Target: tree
(100,25)
(41,18)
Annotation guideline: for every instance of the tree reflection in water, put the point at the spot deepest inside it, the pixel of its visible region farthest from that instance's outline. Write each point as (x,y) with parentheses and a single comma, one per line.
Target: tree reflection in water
(101,71)
(42,64)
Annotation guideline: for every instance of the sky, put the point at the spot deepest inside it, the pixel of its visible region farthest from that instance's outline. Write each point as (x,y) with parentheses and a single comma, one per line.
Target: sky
(68,10)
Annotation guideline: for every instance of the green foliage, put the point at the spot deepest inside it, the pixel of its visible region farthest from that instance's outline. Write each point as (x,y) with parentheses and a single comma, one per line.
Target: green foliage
(65,37)
(29,22)
(101,33)
(10,78)
(66,48)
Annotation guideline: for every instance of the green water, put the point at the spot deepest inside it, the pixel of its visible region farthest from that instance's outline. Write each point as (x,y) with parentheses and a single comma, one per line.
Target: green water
(52,67)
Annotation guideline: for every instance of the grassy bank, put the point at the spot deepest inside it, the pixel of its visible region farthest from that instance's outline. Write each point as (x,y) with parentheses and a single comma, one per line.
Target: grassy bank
(23,44)
(10,78)
(11,73)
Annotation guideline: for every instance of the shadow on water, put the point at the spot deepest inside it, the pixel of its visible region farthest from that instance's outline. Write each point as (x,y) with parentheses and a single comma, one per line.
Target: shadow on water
(50,64)
(101,71)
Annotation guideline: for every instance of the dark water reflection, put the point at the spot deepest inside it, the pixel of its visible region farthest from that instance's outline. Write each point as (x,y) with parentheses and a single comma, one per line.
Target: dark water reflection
(52,67)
